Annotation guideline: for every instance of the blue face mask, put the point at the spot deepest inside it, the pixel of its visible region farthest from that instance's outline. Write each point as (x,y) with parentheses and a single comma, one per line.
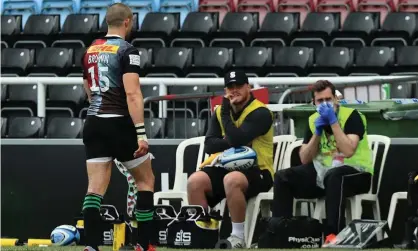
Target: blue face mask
(326,128)
(325,103)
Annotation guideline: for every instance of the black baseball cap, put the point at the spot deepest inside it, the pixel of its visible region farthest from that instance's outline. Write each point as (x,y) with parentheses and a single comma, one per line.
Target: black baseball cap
(235,77)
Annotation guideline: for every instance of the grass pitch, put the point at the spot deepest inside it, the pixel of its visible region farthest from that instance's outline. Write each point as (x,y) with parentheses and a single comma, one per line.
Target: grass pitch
(80,248)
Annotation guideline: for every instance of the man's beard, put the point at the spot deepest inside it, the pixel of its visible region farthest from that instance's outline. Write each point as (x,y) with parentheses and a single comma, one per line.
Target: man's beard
(243,100)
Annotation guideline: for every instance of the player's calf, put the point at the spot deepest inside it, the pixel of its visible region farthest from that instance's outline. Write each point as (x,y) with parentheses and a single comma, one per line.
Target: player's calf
(141,170)
(144,214)
(236,184)
(99,173)
(92,220)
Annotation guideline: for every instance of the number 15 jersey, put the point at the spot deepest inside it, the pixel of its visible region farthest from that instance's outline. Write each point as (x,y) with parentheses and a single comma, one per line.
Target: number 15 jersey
(104,63)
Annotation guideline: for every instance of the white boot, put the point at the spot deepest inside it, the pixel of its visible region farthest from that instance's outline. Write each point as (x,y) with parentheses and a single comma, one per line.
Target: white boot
(88,248)
(236,242)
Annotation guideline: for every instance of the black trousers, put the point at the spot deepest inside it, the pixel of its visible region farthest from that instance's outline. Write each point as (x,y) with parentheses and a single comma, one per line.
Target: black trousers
(300,182)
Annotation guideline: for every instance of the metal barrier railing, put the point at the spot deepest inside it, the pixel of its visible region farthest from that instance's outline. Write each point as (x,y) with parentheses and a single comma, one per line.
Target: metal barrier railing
(198,104)
(201,102)
(190,112)
(162,83)
(352,89)
(172,121)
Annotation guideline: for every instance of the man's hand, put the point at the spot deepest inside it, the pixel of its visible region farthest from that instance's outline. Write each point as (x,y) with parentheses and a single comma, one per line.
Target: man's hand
(142,148)
(320,122)
(326,110)
(226,106)
(231,99)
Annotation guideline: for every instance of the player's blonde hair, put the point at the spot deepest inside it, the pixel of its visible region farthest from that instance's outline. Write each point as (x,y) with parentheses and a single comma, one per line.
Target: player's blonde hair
(117,13)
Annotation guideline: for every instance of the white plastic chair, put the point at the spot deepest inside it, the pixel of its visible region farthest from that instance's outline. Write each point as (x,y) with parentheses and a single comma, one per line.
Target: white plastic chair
(284,144)
(354,209)
(355,201)
(288,154)
(178,191)
(393,203)
(288,164)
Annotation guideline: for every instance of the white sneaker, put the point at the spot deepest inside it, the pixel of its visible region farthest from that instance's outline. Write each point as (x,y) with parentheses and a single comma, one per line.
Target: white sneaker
(88,248)
(236,242)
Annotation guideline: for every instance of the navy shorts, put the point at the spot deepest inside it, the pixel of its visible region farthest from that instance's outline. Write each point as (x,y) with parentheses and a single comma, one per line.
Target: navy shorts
(113,137)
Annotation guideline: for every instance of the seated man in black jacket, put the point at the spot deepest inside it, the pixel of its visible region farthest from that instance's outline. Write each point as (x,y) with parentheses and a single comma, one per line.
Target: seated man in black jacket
(242,120)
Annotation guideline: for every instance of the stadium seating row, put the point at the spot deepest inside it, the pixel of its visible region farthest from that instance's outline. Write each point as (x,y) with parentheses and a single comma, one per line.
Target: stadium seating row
(65,127)
(65,7)
(214,61)
(71,101)
(262,7)
(236,30)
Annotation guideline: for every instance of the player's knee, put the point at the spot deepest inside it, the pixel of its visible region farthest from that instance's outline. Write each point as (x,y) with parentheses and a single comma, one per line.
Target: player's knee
(143,175)
(198,181)
(235,180)
(146,182)
(97,186)
(98,177)
(147,174)
(333,179)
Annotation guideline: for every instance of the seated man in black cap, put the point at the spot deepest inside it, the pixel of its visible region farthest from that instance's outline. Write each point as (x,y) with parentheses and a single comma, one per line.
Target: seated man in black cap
(241,120)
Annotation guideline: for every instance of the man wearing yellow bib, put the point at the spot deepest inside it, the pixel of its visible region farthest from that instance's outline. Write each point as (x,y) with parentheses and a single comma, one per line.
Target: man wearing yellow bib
(242,120)
(336,161)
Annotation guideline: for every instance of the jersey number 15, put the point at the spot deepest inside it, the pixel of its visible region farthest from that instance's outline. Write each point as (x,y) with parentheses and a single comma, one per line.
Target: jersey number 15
(103,80)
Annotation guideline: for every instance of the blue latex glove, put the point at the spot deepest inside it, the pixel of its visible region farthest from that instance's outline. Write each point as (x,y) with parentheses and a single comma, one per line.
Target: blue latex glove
(326,110)
(320,122)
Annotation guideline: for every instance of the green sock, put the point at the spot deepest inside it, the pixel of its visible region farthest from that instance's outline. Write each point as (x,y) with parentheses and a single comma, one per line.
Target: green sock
(92,220)
(92,200)
(144,214)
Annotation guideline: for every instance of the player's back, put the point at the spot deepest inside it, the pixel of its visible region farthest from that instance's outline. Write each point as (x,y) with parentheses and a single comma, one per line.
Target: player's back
(104,64)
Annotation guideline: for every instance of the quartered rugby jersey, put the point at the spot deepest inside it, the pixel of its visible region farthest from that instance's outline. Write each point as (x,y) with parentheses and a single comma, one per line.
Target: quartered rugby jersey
(104,63)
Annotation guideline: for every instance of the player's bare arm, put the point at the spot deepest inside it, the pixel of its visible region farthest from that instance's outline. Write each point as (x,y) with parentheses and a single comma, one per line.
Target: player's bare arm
(87,89)
(135,103)
(134,97)
(85,81)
